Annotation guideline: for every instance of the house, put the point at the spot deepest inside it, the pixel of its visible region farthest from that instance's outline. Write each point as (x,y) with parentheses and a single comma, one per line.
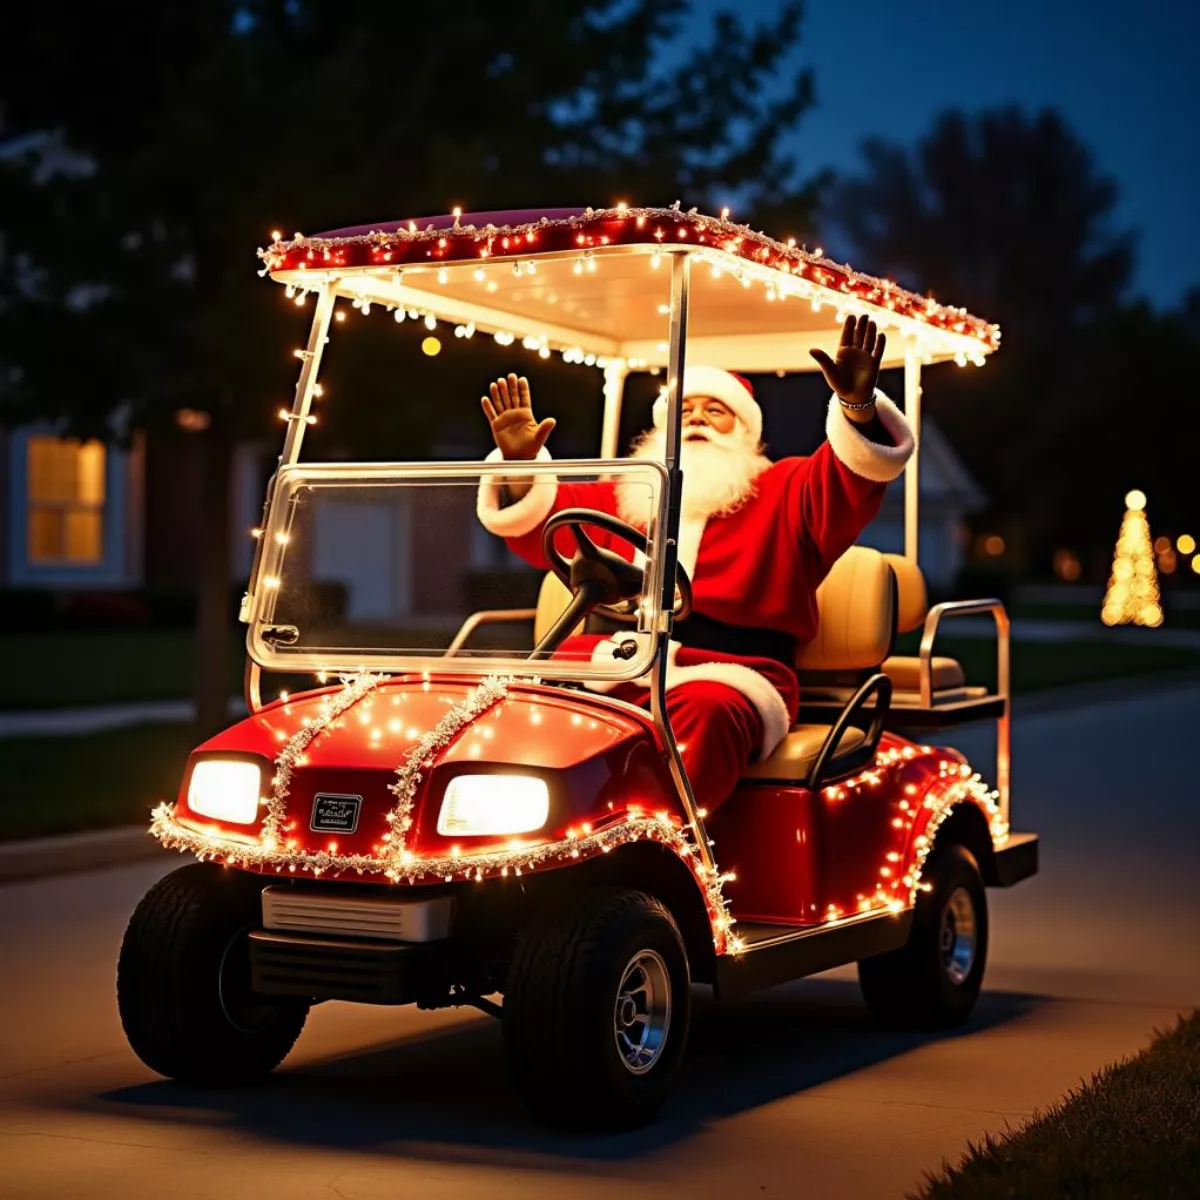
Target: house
(99,518)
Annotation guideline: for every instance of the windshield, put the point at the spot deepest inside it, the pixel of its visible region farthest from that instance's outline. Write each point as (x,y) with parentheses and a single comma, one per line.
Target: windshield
(390,567)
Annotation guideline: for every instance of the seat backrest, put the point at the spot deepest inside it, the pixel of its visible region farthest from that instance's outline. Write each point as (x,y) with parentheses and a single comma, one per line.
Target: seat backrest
(912,595)
(857,615)
(553,598)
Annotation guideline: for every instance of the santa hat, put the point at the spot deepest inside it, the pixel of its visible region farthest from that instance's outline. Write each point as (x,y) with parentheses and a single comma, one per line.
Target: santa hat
(725,386)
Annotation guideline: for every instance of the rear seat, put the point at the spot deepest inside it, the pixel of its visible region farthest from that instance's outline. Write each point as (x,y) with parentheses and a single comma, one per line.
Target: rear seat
(912,607)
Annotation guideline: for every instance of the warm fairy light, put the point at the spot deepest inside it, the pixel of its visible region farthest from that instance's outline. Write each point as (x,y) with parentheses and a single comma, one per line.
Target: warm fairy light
(1135,500)
(340,315)
(1185,544)
(431,346)
(276,236)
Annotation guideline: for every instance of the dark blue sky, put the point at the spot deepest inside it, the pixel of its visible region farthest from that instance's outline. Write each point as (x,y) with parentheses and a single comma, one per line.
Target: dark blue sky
(1126,74)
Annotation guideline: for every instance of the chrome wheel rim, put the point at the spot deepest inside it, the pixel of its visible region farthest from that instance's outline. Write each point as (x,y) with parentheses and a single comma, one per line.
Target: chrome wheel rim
(959,936)
(642,1012)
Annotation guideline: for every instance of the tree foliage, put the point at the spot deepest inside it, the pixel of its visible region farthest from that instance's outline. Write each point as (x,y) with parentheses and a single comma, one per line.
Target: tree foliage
(203,122)
(1008,214)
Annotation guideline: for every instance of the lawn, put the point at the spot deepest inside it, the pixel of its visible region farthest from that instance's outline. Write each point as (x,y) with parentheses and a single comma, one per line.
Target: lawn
(56,670)
(66,669)
(88,781)
(1132,1132)
(1036,666)
(60,784)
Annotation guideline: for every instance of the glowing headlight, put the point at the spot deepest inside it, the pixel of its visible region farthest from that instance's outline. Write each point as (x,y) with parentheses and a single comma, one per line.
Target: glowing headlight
(494,804)
(226,790)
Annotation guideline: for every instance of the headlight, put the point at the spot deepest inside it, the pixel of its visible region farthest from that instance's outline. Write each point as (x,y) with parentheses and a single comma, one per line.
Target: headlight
(494,804)
(227,790)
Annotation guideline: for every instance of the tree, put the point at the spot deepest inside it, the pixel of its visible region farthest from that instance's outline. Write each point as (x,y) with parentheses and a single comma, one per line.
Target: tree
(1006,214)
(129,285)
(1132,594)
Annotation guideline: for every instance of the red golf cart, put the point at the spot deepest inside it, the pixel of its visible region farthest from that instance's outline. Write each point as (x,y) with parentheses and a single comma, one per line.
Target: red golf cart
(458,814)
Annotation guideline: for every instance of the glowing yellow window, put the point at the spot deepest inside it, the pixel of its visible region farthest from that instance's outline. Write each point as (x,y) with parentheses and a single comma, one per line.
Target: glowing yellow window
(65,501)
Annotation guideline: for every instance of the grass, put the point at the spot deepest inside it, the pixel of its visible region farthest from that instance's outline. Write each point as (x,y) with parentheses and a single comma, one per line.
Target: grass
(65,669)
(89,781)
(1039,665)
(1132,1132)
(69,669)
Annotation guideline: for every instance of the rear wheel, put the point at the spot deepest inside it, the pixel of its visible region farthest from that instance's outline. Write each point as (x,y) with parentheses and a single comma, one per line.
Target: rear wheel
(933,981)
(183,982)
(596,1010)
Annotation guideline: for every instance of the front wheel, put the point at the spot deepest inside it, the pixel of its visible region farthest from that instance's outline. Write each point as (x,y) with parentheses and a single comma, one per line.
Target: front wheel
(933,981)
(596,1010)
(183,982)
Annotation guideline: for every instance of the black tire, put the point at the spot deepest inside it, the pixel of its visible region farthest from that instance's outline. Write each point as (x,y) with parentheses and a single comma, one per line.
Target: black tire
(924,984)
(561,1010)
(183,982)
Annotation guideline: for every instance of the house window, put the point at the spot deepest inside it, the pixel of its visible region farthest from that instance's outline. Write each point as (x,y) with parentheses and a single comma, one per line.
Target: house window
(65,495)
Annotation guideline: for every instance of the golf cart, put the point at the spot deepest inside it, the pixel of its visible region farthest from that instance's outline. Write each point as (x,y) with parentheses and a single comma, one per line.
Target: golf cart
(464,816)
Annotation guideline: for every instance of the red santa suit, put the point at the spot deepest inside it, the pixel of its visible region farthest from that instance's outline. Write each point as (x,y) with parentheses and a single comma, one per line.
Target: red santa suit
(732,690)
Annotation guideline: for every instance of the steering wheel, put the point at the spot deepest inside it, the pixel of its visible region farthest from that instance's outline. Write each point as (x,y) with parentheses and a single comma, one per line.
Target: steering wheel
(606,582)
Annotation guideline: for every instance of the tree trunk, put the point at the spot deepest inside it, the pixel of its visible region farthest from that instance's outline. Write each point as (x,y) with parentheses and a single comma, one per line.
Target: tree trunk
(214,615)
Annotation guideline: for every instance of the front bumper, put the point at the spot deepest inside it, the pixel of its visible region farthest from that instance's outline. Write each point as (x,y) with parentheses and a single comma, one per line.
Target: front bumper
(329,968)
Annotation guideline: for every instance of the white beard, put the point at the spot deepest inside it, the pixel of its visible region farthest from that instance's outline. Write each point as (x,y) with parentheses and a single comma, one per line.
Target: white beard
(719,473)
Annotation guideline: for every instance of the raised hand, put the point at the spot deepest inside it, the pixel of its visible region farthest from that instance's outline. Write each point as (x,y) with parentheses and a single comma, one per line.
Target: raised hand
(855,373)
(517,431)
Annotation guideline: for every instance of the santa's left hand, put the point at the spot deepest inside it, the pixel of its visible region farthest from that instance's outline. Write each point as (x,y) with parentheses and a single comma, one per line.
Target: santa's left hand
(855,372)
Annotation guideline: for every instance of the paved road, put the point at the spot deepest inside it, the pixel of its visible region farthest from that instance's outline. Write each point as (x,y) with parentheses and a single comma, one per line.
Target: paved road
(790,1092)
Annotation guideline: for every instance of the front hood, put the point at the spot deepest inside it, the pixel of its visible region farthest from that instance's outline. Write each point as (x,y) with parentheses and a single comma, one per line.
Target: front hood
(580,743)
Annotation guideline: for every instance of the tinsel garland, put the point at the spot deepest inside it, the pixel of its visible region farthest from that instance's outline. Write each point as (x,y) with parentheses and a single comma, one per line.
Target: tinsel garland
(332,707)
(956,784)
(420,757)
(174,835)
(410,245)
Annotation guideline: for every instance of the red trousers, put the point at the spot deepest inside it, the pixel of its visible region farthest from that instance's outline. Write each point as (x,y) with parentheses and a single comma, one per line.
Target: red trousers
(718,731)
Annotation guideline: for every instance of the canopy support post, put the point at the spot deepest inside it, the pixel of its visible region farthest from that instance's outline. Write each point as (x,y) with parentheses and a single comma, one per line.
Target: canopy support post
(615,374)
(912,472)
(297,421)
(669,556)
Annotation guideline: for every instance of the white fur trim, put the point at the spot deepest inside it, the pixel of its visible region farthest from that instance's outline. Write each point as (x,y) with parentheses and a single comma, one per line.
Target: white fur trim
(758,689)
(868,459)
(720,385)
(688,547)
(526,514)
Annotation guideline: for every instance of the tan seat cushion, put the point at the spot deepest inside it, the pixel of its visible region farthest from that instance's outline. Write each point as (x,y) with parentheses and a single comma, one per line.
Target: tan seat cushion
(905,673)
(911,593)
(794,756)
(857,615)
(553,599)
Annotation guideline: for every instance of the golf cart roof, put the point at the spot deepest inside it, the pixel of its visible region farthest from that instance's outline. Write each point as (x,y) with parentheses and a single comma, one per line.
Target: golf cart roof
(578,281)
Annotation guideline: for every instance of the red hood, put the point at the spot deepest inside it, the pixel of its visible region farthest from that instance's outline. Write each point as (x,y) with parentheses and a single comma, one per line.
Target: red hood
(539,728)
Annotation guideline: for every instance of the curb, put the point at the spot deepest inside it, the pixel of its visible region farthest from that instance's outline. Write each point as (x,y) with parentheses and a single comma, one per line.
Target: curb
(36,858)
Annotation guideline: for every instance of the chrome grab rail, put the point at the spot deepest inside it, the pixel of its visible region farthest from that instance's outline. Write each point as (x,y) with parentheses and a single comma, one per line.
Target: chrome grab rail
(486,616)
(995,609)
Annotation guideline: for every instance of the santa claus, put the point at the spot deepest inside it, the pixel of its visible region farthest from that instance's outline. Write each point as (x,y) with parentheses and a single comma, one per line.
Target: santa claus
(756,538)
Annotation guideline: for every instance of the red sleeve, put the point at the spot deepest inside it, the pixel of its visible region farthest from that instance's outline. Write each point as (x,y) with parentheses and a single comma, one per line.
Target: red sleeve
(568,495)
(520,523)
(834,494)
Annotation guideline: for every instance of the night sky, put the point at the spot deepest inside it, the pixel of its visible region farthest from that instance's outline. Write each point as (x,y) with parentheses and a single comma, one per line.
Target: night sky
(1126,74)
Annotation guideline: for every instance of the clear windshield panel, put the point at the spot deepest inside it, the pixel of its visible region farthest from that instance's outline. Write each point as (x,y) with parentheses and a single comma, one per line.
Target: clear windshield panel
(402,567)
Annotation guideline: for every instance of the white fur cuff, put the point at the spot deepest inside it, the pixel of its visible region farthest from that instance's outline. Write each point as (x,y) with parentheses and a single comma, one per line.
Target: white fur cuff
(526,514)
(868,459)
